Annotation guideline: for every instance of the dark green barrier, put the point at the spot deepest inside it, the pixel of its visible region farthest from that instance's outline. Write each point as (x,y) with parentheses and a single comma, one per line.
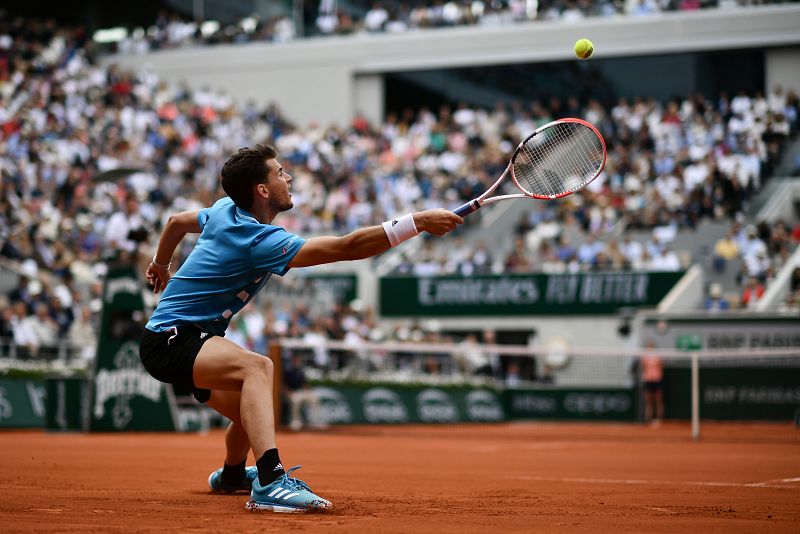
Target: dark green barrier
(406,404)
(571,404)
(67,404)
(21,403)
(124,395)
(735,393)
(522,294)
(343,287)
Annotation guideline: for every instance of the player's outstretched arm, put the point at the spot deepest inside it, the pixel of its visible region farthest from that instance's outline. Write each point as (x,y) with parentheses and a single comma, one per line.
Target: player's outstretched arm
(373,240)
(178,225)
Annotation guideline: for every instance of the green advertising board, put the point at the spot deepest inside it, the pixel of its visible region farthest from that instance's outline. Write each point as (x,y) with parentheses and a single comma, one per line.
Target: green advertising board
(571,404)
(522,294)
(735,392)
(124,396)
(342,287)
(67,403)
(345,404)
(22,403)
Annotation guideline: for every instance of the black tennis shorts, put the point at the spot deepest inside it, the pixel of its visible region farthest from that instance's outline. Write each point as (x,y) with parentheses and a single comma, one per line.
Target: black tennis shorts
(653,387)
(169,357)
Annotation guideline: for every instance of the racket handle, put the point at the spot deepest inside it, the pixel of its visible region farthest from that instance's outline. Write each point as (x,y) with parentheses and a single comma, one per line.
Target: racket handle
(466,209)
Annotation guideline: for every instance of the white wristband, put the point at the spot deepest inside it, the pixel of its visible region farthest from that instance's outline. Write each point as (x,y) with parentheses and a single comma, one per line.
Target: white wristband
(156,264)
(399,230)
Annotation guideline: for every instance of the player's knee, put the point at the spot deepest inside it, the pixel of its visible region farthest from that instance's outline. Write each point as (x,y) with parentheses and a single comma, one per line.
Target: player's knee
(262,366)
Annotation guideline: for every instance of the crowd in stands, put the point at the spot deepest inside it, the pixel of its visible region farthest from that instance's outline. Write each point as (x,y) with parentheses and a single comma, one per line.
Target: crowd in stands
(69,129)
(332,18)
(669,167)
(763,250)
(355,324)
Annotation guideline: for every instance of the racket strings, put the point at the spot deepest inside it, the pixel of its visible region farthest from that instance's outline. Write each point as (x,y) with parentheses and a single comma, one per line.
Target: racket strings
(558,160)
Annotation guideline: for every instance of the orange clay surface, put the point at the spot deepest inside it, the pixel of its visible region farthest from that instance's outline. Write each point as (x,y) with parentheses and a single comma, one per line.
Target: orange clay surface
(522,477)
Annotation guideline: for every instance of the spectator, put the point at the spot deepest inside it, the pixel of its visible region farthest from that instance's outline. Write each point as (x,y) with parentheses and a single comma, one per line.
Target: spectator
(82,335)
(125,228)
(376,18)
(725,250)
(794,282)
(752,292)
(472,359)
(791,304)
(513,375)
(24,338)
(301,395)
(62,316)
(716,301)
(44,333)
(665,260)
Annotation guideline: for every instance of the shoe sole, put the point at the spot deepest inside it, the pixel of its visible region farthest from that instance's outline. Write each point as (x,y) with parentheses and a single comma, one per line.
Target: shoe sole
(253,505)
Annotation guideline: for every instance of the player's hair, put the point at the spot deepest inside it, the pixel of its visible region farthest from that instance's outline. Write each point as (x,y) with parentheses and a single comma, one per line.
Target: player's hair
(244,170)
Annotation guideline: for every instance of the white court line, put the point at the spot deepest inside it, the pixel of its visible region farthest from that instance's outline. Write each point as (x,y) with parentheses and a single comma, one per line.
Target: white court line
(778,483)
(767,483)
(658,509)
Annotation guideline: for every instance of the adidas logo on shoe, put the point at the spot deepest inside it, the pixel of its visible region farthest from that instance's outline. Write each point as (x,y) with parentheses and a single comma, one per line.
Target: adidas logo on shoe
(287,495)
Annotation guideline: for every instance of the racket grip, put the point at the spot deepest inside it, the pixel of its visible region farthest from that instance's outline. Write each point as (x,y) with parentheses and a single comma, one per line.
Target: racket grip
(466,209)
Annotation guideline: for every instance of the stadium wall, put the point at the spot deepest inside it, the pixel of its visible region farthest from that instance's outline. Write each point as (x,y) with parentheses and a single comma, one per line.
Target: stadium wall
(327,80)
(783,67)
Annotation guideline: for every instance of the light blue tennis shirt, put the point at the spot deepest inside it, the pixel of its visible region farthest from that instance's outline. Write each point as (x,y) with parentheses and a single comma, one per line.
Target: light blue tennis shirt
(232,260)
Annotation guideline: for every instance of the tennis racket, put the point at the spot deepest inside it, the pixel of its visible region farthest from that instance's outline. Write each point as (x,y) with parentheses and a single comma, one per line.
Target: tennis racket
(556,160)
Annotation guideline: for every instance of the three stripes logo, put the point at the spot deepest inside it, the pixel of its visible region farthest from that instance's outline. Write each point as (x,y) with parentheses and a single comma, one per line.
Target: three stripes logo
(394,222)
(281,493)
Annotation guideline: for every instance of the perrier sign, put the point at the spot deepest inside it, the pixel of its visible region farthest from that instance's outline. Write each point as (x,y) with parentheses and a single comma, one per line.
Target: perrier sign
(522,294)
(124,395)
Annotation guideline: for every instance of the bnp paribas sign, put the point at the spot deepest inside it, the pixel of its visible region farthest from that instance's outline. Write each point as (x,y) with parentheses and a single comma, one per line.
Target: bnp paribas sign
(124,395)
(522,294)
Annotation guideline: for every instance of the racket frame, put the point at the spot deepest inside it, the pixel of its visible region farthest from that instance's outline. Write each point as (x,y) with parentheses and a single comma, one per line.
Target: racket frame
(476,203)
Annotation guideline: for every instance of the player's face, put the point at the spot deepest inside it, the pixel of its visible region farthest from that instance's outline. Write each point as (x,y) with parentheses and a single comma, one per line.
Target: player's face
(279,183)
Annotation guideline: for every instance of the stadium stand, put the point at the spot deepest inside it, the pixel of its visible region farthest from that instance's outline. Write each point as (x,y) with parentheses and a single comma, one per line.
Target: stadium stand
(72,130)
(171,30)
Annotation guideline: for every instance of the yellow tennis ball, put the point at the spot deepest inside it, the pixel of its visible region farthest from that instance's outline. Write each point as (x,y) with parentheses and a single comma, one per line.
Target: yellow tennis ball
(584,48)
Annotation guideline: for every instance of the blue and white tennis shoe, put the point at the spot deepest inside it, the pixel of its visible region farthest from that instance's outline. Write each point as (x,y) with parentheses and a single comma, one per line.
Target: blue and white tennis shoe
(286,494)
(220,485)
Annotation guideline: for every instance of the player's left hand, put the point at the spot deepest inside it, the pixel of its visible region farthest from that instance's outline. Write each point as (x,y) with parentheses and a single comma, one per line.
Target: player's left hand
(157,277)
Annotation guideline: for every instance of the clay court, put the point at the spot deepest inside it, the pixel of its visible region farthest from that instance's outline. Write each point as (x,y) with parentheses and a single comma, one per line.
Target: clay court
(523,477)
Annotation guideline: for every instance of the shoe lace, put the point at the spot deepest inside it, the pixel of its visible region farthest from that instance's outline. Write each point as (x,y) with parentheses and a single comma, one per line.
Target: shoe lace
(294,483)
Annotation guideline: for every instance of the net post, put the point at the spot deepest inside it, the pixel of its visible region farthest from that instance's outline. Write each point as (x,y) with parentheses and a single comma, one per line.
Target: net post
(695,359)
(274,354)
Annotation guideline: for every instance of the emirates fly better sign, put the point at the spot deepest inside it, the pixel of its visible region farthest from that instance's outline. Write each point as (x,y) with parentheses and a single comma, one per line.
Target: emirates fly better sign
(522,294)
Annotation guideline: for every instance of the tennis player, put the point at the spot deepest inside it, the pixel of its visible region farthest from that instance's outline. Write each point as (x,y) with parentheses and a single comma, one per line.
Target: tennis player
(238,250)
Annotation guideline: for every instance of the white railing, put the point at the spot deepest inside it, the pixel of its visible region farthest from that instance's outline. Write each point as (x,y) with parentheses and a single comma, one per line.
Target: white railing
(62,357)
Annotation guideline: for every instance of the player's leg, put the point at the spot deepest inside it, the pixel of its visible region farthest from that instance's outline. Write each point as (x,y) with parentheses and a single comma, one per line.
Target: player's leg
(234,475)
(237,444)
(223,365)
